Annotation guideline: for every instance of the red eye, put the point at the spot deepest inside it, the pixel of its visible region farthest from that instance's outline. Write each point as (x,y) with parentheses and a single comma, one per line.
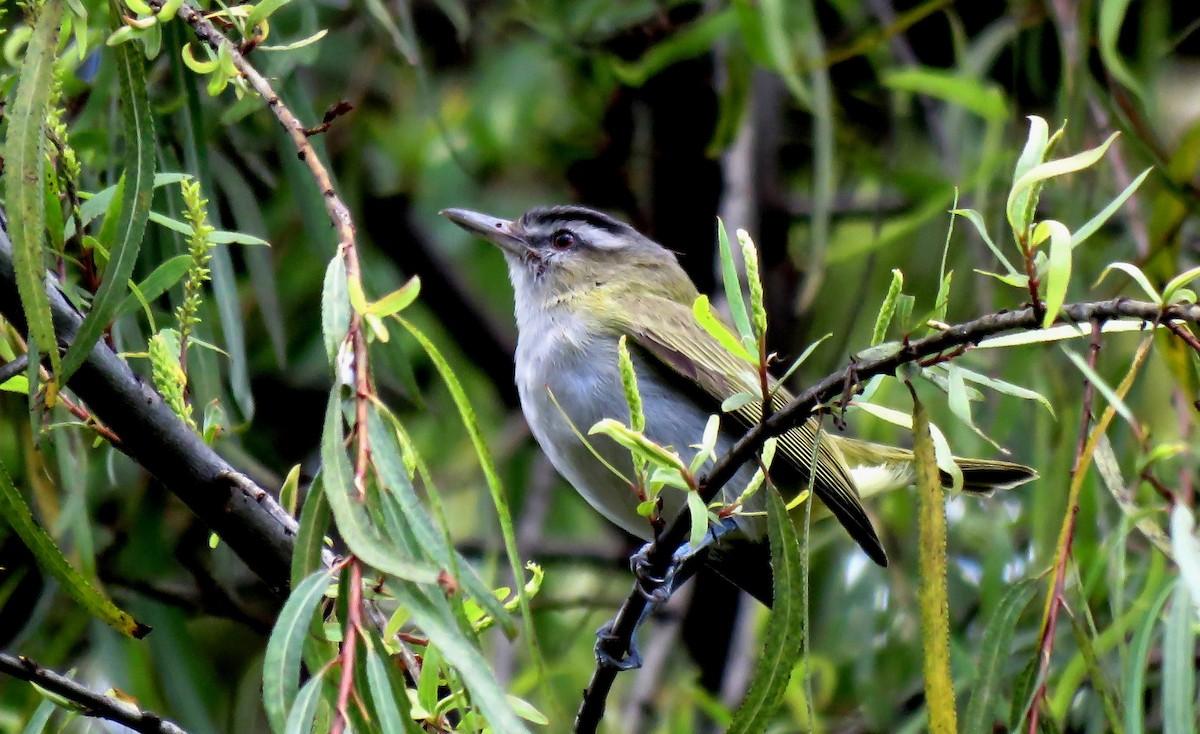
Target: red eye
(562,240)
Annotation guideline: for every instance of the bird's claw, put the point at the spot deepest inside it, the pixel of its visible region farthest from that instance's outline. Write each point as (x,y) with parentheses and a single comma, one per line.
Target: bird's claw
(660,586)
(631,660)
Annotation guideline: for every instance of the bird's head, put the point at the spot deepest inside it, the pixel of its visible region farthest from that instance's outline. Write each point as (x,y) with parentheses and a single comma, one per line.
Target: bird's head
(571,256)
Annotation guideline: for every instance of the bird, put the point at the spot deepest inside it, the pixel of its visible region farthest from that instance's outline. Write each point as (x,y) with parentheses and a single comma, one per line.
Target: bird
(583,281)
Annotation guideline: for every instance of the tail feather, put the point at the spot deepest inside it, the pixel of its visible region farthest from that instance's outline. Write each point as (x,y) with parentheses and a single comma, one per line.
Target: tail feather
(985,476)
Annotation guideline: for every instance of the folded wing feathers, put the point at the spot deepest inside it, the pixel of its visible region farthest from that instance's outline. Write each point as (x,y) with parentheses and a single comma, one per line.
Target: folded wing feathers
(698,356)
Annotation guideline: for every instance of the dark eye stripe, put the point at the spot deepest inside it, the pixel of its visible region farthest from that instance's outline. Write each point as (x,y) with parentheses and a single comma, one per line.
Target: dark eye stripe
(564,216)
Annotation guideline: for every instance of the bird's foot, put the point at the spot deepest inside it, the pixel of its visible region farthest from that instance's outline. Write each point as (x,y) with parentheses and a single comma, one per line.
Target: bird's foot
(661,587)
(629,660)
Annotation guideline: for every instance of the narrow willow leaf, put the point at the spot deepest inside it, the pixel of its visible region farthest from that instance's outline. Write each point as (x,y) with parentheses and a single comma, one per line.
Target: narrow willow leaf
(361,536)
(1136,664)
(335,308)
(784,633)
(698,515)
(397,300)
(281,663)
(301,718)
(1179,665)
(155,284)
(1096,222)
(138,132)
(976,219)
(934,603)
(1102,387)
(389,699)
(53,563)
(978,96)
(888,309)
(1061,332)
(40,717)
(25,175)
(1033,153)
(386,450)
(1058,272)
(310,536)
(289,492)
(1138,276)
(1060,167)
(904,309)
(1176,283)
(637,442)
(733,287)
(1111,18)
(495,487)
(1008,388)
(995,650)
(1186,547)
(703,312)
(470,664)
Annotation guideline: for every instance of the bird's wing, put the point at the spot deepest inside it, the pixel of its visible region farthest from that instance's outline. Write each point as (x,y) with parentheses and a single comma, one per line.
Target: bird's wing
(669,332)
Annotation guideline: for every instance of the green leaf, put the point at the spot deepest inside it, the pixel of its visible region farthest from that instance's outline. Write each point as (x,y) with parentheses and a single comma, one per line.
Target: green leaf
(1135,671)
(733,288)
(495,487)
(982,98)
(1138,276)
(40,717)
(472,667)
(397,300)
(335,308)
(1027,183)
(783,636)
(138,133)
(1007,388)
(362,537)
(692,40)
(1186,547)
(1111,17)
(976,219)
(934,603)
(710,323)
(698,515)
(637,442)
(281,663)
(263,10)
(1102,387)
(25,176)
(156,283)
(995,650)
(387,453)
(53,563)
(1062,331)
(304,707)
(1096,222)
(389,699)
(1179,665)
(1058,272)
(888,309)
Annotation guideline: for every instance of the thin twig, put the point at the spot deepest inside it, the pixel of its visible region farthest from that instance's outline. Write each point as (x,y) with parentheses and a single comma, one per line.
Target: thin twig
(343,223)
(1046,646)
(659,555)
(87,701)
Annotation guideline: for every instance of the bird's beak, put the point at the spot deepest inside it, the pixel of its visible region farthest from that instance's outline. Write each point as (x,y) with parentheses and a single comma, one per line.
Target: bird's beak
(497,231)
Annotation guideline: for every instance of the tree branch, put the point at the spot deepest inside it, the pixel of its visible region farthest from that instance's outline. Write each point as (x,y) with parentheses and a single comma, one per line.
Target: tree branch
(89,702)
(959,337)
(243,514)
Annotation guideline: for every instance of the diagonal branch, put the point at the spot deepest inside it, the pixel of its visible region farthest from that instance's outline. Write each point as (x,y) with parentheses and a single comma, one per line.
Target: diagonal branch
(244,515)
(87,701)
(955,338)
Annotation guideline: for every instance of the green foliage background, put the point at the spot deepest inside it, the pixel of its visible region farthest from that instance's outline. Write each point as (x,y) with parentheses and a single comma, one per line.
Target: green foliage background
(838,133)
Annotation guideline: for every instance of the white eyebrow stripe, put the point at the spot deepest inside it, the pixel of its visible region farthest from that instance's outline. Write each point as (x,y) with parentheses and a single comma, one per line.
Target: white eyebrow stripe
(594,236)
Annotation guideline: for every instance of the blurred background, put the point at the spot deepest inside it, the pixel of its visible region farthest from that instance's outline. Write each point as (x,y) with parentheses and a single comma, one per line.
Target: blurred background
(838,133)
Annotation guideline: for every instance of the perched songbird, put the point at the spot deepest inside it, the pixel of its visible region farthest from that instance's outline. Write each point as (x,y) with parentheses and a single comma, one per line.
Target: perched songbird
(582,280)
